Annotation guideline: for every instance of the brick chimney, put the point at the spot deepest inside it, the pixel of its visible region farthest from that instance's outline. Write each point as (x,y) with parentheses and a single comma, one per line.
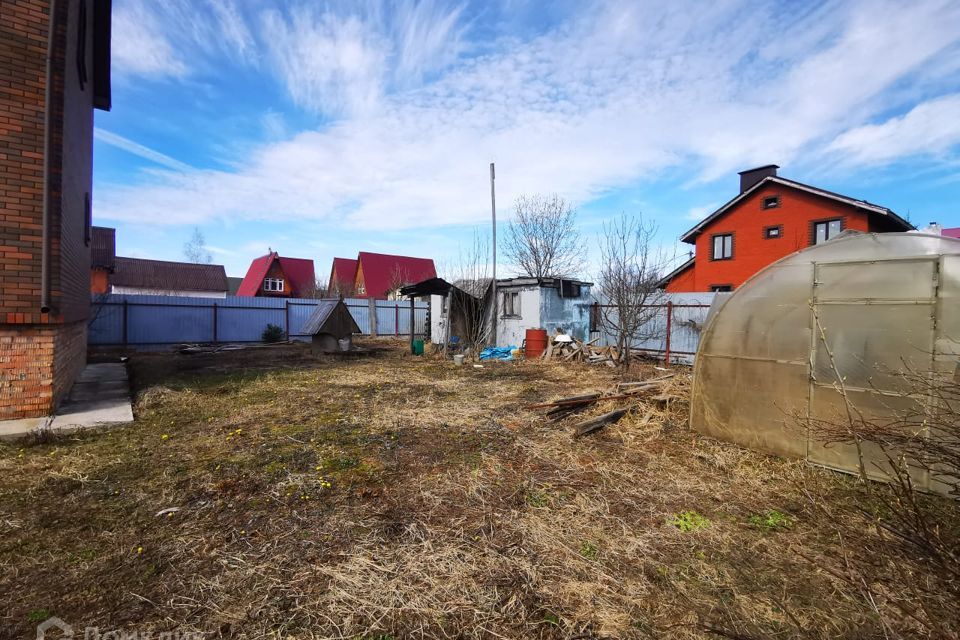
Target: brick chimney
(751,177)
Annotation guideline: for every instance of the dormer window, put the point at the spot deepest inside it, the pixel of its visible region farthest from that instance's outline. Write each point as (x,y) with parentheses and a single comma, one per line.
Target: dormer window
(771,202)
(273,284)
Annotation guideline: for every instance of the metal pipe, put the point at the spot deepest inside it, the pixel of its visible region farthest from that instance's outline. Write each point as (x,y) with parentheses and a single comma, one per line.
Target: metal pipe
(48,121)
(493,283)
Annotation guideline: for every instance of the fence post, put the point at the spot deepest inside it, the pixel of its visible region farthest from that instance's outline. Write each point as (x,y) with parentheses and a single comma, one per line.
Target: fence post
(372,303)
(286,317)
(669,322)
(215,323)
(396,319)
(412,323)
(124,322)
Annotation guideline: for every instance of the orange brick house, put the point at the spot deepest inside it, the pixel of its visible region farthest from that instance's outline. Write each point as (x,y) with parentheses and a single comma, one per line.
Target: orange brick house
(770,218)
(54,71)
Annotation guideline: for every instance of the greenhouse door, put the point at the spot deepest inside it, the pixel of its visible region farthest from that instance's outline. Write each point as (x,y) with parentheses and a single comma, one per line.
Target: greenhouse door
(870,322)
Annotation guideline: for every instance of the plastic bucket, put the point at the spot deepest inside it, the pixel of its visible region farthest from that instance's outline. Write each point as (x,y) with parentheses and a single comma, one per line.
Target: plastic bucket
(418,347)
(536,343)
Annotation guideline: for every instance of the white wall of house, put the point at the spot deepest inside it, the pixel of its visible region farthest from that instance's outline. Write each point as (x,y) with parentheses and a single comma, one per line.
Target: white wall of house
(511,330)
(167,292)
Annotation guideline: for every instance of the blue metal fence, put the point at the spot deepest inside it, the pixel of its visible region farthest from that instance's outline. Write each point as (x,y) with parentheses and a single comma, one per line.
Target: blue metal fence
(145,320)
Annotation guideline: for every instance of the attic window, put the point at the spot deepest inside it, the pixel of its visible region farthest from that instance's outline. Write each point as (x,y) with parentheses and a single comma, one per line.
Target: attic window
(772,233)
(771,202)
(273,284)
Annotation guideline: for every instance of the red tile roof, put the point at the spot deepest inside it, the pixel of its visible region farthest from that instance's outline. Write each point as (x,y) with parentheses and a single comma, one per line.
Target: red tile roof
(380,271)
(298,271)
(170,276)
(344,270)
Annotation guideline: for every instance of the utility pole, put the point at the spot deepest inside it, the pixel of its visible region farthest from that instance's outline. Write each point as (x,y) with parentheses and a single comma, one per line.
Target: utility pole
(493,284)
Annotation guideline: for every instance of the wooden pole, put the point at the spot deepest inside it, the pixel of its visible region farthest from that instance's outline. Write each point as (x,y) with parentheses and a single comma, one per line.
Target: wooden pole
(372,305)
(412,321)
(666,359)
(493,211)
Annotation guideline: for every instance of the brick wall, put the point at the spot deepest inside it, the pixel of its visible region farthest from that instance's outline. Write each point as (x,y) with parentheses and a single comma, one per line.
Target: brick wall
(41,354)
(37,366)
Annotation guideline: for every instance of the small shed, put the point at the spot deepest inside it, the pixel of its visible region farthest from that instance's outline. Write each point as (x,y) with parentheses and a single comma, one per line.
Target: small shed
(329,324)
(832,329)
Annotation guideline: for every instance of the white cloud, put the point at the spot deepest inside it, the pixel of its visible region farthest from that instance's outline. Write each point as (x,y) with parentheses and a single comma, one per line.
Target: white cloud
(139,46)
(138,149)
(700,212)
(930,128)
(614,95)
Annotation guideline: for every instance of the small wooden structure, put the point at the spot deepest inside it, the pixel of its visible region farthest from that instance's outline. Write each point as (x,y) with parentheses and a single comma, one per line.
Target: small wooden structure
(331,326)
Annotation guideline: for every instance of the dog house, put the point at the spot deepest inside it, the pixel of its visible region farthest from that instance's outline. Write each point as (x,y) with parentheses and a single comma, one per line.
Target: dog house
(331,327)
(830,329)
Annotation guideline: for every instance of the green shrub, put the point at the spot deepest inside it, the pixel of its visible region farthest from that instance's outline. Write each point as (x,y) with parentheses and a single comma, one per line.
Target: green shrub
(771,520)
(272,333)
(689,521)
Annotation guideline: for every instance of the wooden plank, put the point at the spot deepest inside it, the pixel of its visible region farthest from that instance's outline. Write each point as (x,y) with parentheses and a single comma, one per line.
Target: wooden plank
(595,424)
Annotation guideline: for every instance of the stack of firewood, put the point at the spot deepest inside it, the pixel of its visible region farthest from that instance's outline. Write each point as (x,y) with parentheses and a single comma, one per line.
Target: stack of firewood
(626,393)
(578,351)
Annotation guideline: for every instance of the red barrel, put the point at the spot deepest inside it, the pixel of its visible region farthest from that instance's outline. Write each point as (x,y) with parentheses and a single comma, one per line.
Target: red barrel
(536,343)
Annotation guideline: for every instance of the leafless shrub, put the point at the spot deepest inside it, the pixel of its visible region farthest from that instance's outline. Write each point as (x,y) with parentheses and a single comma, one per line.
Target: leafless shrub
(542,240)
(630,268)
(195,249)
(467,311)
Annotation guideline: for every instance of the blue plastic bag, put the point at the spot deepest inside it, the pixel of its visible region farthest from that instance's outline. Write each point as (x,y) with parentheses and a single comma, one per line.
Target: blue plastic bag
(497,353)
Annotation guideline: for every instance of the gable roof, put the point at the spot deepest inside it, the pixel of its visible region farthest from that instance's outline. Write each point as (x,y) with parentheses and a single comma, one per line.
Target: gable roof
(173,276)
(380,269)
(343,270)
(299,271)
(874,209)
(951,232)
(330,316)
(103,247)
(665,280)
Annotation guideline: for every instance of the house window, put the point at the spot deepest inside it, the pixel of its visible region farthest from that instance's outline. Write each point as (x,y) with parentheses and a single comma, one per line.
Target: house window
(273,284)
(82,44)
(771,202)
(719,288)
(511,303)
(723,247)
(826,230)
(774,232)
(361,290)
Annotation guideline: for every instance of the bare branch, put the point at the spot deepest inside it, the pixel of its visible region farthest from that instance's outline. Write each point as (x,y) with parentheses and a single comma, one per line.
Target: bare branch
(542,240)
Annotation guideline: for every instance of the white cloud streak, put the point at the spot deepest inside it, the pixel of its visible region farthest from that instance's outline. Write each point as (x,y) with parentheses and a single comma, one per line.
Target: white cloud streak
(608,98)
(140,150)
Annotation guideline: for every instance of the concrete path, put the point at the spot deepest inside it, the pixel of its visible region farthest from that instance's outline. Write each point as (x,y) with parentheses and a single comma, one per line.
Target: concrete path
(100,397)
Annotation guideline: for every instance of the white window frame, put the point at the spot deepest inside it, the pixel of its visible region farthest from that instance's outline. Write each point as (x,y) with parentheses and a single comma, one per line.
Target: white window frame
(273,285)
(722,245)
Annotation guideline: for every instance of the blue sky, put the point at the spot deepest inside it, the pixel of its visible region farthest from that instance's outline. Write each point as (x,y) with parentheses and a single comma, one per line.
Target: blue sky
(321,129)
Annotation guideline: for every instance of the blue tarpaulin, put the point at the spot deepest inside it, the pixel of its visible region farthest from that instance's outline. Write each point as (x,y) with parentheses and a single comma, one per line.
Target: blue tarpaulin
(497,353)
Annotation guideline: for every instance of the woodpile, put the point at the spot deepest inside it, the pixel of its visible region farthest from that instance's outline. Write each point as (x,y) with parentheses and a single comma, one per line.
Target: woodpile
(578,351)
(625,393)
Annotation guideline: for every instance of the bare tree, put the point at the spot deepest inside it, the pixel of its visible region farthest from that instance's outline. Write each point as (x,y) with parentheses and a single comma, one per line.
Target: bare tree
(468,304)
(195,249)
(630,269)
(542,239)
(399,277)
(315,291)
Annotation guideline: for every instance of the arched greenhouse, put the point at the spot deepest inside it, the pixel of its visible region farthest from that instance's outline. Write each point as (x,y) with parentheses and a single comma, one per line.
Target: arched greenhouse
(837,331)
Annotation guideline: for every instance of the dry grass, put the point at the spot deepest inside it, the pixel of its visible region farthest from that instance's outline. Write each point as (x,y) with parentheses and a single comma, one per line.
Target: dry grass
(398,497)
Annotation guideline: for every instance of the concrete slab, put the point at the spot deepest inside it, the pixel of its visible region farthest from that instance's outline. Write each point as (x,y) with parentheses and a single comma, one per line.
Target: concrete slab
(99,398)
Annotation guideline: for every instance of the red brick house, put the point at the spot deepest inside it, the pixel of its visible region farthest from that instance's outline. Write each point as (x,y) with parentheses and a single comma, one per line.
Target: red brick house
(275,276)
(378,275)
(770,218)
(54,71)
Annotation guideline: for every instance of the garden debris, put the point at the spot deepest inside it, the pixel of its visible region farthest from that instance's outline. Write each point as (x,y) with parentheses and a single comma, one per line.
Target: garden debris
(190,349)
(564,348)
(654,390)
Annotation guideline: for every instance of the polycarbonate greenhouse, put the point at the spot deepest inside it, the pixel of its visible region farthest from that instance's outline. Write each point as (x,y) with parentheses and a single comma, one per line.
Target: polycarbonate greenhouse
(830,328)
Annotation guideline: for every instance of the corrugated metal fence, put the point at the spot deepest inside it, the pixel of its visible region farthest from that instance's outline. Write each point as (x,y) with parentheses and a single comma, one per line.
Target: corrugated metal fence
(145,321)
(673,333)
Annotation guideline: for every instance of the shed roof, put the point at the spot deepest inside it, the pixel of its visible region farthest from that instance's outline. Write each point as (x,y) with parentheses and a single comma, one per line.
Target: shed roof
(330,316)
(174,276)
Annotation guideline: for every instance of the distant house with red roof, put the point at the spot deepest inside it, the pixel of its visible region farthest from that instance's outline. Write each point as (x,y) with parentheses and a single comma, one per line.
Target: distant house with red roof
(273,275)
(377,275)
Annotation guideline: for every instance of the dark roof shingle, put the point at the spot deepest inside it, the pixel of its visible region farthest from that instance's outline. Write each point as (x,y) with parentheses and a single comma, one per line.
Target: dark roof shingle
(103,247)
(173,276)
